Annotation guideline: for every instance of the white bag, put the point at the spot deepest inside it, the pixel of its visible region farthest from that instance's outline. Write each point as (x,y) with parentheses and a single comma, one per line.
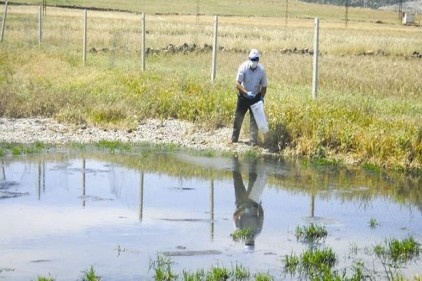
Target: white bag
(259,115)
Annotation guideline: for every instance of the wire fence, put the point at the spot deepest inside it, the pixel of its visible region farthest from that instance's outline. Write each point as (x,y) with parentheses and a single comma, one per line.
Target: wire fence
(137,41)
(139,36)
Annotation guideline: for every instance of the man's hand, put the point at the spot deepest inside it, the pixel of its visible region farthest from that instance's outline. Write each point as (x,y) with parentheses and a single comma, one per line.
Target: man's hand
(250,95)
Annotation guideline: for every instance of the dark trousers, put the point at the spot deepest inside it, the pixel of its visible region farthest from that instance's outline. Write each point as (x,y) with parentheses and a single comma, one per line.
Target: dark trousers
(241,193)
(242,106)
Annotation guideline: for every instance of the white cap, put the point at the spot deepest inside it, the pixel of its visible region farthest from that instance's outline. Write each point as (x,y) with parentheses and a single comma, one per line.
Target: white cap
(253,54)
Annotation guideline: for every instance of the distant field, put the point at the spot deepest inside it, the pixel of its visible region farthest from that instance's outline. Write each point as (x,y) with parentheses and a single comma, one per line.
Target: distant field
(369,108)
(267,8)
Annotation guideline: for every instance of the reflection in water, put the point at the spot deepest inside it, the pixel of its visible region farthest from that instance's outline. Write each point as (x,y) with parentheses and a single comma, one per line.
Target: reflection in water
(3,173)
(141,196)
(83,182)
(41,178)
(249,213)
(212,209)
(182,206)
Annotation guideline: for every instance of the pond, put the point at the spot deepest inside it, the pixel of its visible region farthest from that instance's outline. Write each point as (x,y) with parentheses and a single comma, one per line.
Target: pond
(63,212)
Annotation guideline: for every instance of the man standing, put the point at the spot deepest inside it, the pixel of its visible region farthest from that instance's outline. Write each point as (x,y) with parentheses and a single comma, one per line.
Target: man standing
(251,84)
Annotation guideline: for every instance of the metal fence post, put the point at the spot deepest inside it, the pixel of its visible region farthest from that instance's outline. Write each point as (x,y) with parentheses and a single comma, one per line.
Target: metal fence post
(315,67)
(214,50)
(4,22)
(39,25)
(143,43)
(84,37)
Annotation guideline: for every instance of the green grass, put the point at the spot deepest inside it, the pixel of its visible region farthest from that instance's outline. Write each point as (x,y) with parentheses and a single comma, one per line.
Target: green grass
(398,251)
(394,254)
(263,276)
(311,234)
(113,146)
(242,234)
(90,275)
(162,267)
(22,149)
(373,223)
(43,278)
(312,263)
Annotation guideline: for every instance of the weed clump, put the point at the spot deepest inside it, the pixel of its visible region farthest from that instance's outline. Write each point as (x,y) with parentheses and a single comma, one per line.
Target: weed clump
(311,234)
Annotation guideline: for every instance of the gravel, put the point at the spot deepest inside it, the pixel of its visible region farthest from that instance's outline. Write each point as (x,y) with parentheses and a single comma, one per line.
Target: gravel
(185,134)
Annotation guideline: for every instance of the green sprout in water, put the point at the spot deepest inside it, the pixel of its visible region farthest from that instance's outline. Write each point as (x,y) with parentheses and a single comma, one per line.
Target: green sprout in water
(241,273)
(113,146)
(162,268)
(373,223)
(242,234)
(318,260)
(291,263)
(311,234)
(311,263)
(398,251)
(262,276)
(395,253)
(90,275)
(43,278)
(193,276)
(218,273)
(2,152)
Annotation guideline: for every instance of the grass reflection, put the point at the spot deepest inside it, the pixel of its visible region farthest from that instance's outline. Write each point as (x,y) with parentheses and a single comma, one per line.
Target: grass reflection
(294,175)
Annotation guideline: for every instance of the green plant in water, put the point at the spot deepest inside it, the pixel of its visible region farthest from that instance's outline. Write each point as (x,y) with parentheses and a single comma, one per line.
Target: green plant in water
(319,158)
(405,250)
(218,274)
(241,273)
(17,150)
(353,250)
(21,149)
(358,272)
(373,223)
(39,146)
(396,253)
(315,262)
(193,276)
(311,234)
(261,276)
(77,146)
(162,269)
(242,234)
(251,153)
(291,263)
(43,278)
(90,275)
(113,146)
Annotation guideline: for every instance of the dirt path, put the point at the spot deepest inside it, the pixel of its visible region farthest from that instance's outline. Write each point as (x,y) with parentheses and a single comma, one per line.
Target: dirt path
(185,134)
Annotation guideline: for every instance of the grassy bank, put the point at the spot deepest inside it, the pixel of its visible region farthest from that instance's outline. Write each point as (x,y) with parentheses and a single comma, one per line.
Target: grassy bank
(368,112)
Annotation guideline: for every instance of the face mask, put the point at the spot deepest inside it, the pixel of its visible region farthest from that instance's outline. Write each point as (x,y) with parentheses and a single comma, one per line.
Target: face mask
(253,64)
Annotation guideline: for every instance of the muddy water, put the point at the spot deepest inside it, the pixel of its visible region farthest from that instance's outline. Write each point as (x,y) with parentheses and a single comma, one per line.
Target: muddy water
(62,213)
